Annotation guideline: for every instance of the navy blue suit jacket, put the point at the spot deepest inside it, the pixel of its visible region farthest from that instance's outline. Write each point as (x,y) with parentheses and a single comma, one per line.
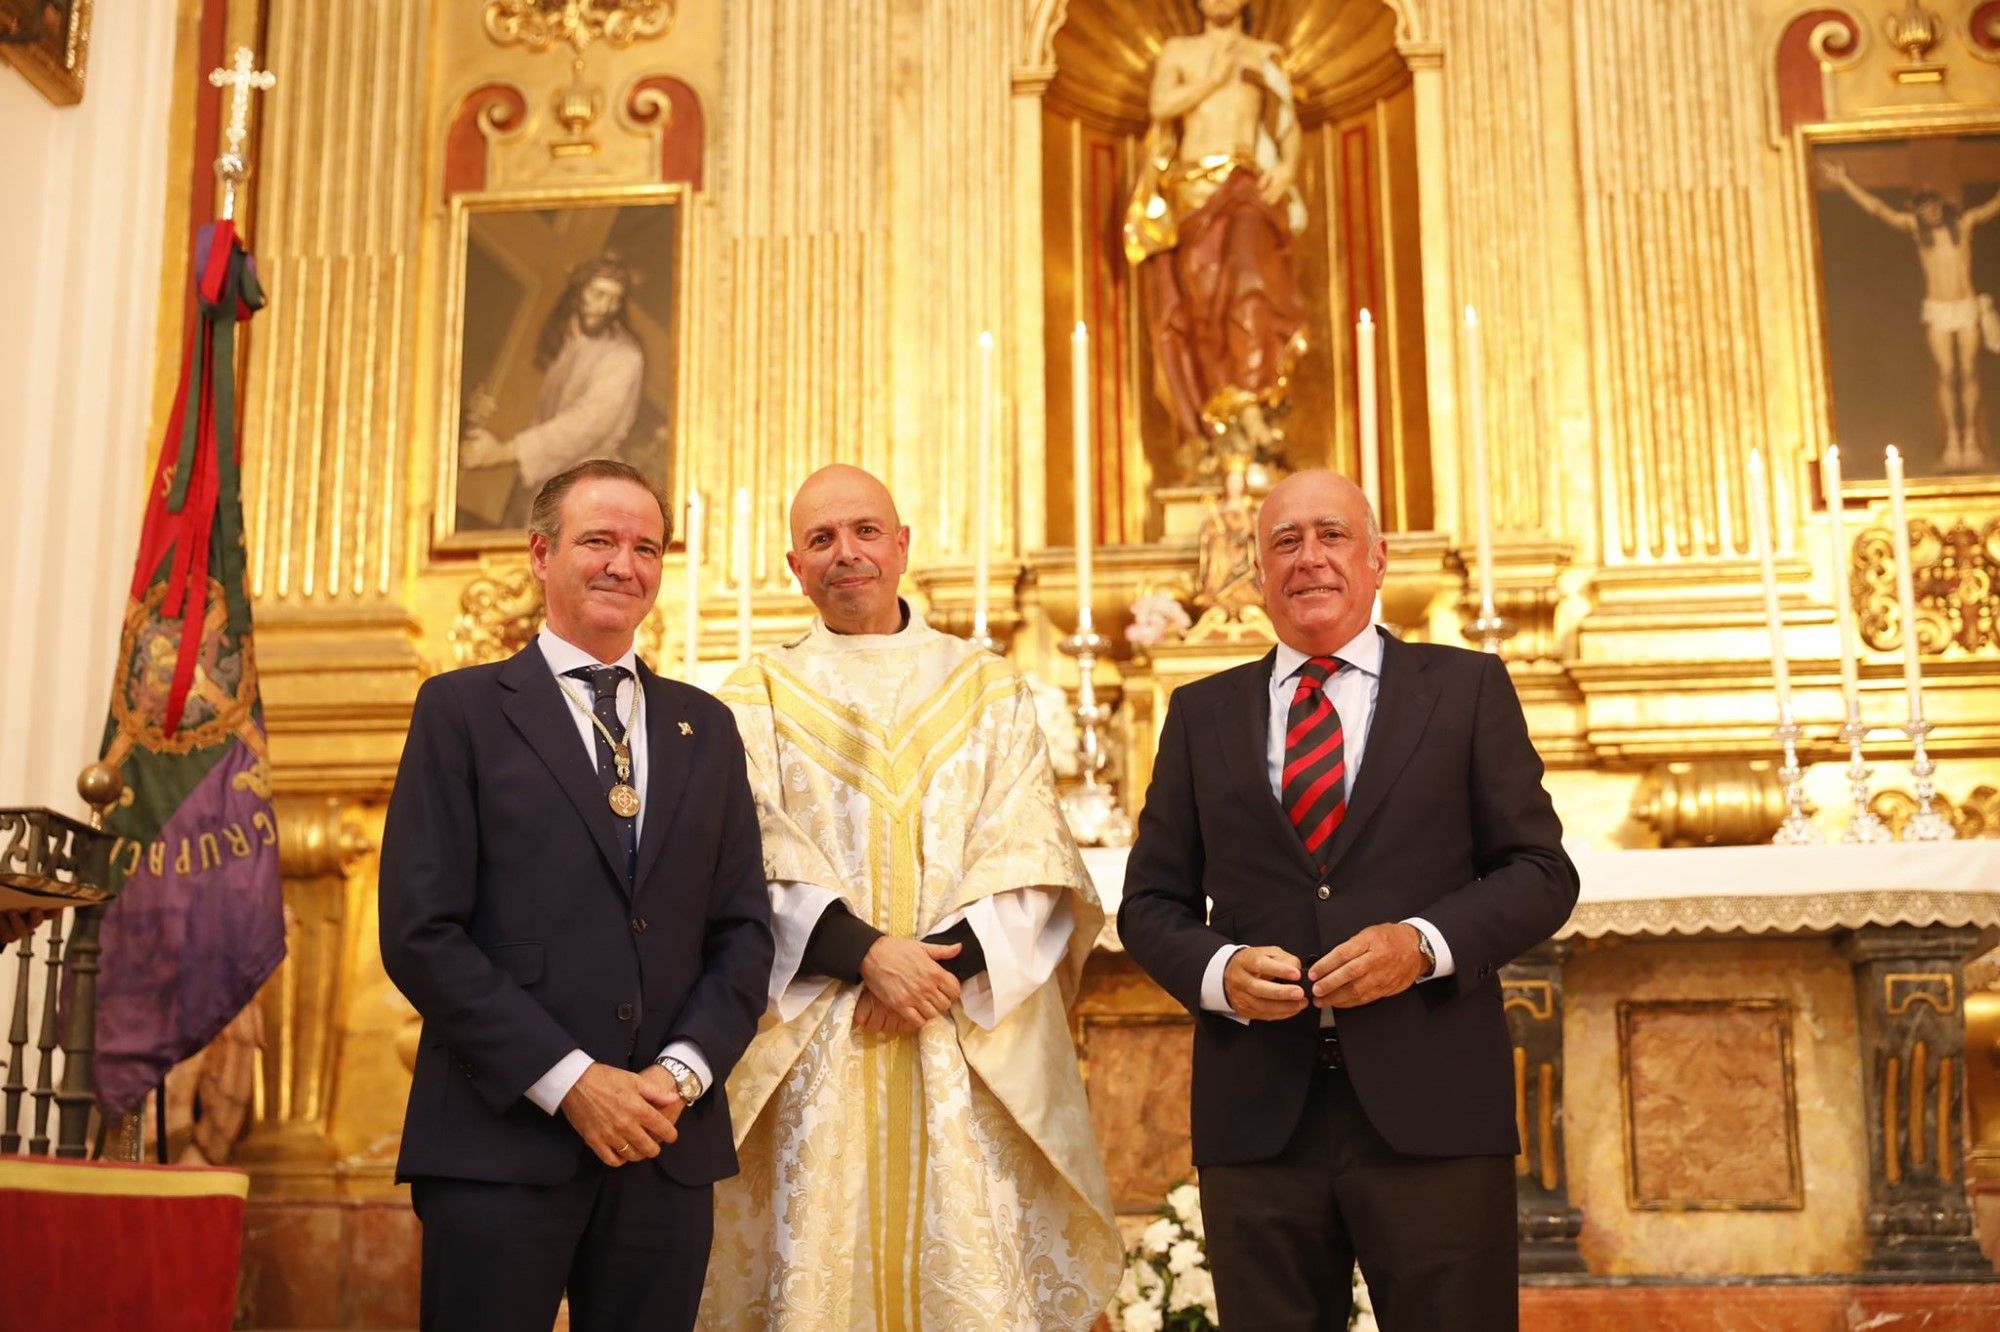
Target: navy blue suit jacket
(1447,820)
(508,922)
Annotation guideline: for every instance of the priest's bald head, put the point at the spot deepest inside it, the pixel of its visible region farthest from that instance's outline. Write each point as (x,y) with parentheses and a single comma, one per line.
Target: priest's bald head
(849,550)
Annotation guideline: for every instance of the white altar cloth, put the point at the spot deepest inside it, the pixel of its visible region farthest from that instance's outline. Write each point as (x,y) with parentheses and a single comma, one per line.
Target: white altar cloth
(1749,889)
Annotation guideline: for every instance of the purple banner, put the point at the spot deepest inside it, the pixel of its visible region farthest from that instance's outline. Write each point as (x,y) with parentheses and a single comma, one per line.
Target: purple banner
(197,929)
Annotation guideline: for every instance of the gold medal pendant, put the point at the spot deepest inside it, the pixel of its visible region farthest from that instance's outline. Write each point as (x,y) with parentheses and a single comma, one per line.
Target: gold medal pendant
(624,801)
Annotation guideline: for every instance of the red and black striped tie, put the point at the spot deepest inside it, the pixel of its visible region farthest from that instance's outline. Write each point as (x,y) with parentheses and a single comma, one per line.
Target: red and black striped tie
(1314,785)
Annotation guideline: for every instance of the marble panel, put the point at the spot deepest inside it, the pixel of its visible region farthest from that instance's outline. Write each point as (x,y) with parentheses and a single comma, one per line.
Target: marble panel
(1140,1073)
(384,1246)
(292,1264)
(1825,1237)
(1709,1119)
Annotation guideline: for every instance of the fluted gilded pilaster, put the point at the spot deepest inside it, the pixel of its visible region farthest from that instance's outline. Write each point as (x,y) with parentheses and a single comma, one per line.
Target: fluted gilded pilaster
(860,246)
(328,388)
(1501,209)
(1669,171)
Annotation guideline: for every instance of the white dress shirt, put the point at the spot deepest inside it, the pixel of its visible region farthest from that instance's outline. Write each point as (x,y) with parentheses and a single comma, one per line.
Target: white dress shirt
(562,655)
(1353,689)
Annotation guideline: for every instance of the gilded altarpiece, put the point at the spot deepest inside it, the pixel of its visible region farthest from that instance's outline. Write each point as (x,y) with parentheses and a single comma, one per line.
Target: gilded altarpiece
(1621,189)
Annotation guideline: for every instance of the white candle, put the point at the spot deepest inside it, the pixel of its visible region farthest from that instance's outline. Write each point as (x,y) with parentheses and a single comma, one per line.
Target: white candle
(1079,374)
(691,610)
(982,489)
(1906,593)
(1760,532)
(1364,398)
(1475,418)
(743,573)
(1843,607)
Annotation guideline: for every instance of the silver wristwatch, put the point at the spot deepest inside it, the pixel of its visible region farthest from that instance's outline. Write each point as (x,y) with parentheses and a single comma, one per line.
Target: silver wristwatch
(683,1076)
(1429,954)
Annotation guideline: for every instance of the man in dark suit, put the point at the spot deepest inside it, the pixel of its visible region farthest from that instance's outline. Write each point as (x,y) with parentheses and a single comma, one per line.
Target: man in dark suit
(1343,843)
(572,895)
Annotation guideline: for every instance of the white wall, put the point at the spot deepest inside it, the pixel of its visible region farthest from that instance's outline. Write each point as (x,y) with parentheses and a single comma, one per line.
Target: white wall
(82,200)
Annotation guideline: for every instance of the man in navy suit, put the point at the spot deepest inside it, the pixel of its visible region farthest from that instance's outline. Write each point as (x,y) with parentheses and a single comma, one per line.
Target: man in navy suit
(572,895)
(1343,843)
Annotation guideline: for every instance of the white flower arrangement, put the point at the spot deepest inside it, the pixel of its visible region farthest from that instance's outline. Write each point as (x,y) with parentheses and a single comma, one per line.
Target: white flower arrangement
(1167,1286)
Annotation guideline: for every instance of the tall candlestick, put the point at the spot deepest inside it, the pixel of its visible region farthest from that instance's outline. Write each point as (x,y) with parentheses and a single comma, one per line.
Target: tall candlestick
(1364,400)
(691,609)
(1863,824)
(1475,417)
(1760,533)
(743,573)
(1906,591)
(1079,348)
(982,491)
(1843,608)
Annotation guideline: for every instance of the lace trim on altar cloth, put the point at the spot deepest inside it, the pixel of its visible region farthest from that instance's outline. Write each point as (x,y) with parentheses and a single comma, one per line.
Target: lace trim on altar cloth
(1792,913)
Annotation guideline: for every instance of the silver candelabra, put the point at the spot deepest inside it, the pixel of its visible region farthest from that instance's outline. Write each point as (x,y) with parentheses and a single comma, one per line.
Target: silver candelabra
(1797,827)
(1927,824)
(1863,824)
(1092,808)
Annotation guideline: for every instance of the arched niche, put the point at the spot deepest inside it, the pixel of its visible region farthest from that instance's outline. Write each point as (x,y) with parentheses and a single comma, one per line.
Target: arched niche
(1358,174)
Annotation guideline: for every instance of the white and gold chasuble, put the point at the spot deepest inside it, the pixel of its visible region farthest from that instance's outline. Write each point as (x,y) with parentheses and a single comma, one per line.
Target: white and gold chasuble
(944,1180)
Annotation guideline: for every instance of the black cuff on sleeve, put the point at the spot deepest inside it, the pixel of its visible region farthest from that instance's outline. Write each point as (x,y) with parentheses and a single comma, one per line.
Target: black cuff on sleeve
(838,943)
(971,959)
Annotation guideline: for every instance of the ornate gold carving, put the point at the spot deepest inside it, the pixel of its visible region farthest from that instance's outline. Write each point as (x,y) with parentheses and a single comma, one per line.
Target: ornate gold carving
(1536,998)
(497,615)
(319,844)
(1977,816)
(499,612)
(1250,626)
(1982,31)
(541,24)
(1956,573)
(577,106)
(1914,32)
(1713,802)
(1340,58)
(1904,990)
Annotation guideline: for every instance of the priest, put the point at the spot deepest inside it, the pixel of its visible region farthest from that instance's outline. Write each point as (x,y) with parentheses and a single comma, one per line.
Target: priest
(915,1143)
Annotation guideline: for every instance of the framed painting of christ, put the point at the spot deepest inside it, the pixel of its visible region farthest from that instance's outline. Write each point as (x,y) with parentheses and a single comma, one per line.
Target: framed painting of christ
(49,42)
(560,345)
(1906,230)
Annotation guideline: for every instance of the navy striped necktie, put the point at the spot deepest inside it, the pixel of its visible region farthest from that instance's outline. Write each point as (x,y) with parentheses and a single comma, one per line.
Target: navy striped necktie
(1314,787)
(604,682)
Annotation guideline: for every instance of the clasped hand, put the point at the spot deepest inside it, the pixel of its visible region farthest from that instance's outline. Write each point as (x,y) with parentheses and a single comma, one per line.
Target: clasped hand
(1263,983)
(903,986)
(624,1116)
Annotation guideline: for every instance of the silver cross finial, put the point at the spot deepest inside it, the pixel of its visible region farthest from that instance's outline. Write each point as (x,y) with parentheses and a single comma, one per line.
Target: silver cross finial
(240,77)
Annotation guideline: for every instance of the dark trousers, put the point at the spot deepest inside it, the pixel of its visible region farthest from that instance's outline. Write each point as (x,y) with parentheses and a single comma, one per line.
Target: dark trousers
(629,1245)
(1436,1237)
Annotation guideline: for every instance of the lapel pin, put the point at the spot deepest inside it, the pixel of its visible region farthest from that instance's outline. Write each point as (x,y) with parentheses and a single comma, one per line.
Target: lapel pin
(686,729)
